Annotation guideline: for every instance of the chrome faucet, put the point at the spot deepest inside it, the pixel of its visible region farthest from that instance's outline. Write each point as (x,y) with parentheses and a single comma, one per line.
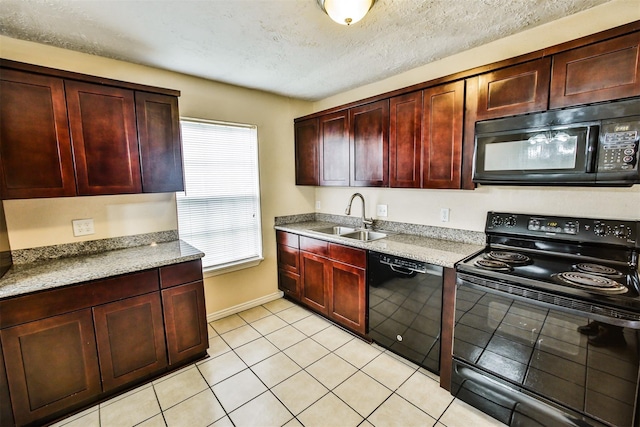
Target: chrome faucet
(365,221)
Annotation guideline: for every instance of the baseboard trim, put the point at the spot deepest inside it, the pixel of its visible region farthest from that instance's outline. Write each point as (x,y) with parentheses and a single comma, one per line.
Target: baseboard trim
(211,317)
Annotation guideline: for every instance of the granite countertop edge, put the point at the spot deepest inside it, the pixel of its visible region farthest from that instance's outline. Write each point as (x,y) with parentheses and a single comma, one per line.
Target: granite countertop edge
(43,275)
(445,253)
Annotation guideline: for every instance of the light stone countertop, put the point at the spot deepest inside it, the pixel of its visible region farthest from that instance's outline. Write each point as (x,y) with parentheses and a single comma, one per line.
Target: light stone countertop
(440,252)
(43,275)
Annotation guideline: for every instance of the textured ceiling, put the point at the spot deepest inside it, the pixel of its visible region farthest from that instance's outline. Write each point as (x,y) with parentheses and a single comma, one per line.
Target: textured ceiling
(288,47)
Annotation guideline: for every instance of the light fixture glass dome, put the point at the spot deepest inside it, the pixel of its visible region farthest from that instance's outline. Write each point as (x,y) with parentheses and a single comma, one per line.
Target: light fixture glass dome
(346,12)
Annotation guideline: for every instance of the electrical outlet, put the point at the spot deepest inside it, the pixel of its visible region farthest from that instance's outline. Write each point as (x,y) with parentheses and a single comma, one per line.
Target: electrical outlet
(381,210)
(318,204)
(83,227)
(444,214)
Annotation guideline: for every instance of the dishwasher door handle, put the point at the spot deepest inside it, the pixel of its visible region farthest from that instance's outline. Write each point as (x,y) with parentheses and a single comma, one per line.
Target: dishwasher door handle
(404,270)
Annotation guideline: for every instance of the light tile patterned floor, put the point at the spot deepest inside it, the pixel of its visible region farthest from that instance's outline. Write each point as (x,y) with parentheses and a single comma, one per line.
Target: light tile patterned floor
(281,365)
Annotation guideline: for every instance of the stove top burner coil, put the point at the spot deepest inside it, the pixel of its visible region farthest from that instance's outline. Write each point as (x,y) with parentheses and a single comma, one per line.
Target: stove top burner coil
(492,264)
(591,282)
(508,257)
(598,270)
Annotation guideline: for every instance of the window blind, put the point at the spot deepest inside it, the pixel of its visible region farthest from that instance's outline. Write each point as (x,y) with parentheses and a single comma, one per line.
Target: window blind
(219,211)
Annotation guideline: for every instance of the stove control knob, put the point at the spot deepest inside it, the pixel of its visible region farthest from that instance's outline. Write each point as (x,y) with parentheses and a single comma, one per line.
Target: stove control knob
(497,221)
(510,222)
(620,232)
(534,224)
(599,229)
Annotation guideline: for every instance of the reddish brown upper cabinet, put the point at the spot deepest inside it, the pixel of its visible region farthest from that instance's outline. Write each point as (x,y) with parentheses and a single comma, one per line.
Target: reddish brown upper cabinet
(598,72)
(334,149)
(369,145)
(35,146)
(442,135)
(105,143)
(522,88)
(158,122)
(405,140)
(307,146)
(68,134)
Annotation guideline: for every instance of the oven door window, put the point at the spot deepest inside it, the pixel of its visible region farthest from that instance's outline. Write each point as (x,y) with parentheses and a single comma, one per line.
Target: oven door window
(587,366)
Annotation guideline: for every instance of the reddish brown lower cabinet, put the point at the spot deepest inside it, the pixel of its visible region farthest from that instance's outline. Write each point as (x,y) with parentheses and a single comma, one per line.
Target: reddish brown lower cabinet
(185,321)
(70,347)
(314,282)
(288,264)
(130,338)
(332,280)
(347,305)
(52,364)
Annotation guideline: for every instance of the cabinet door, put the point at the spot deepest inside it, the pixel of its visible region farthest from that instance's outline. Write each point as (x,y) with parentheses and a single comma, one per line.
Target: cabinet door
(334,149)
(598,72)
(442,135)
(369,144)
(6,413)
(314,282)
(51,365)
(130,336)
(405,140)
(185,321)
(307,139)
(519,89)
(35,147)
(105,145)
(158,123)
(348,296)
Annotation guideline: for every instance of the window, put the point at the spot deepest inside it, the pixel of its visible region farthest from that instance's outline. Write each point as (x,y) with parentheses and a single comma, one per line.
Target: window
(219,211)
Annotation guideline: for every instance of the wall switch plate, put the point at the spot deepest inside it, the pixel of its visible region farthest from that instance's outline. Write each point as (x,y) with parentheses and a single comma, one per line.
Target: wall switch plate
(444,214)
(318,204)
(83,227)
(381,210)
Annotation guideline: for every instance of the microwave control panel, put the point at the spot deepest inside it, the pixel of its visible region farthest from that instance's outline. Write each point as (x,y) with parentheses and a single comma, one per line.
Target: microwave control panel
(619,147)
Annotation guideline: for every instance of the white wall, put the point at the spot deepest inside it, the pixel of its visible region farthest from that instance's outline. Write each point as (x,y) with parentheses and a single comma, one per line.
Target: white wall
(468,208)
(41,222)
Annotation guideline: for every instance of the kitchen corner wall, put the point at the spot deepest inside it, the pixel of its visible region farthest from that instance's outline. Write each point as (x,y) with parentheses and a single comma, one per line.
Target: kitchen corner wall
(42,222)
(469,208)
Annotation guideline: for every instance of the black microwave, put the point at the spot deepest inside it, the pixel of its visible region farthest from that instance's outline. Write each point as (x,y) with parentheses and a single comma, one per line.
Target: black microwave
(594,145)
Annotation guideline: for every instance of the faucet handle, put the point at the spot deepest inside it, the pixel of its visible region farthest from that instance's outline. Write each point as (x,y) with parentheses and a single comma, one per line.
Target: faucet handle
(366,222)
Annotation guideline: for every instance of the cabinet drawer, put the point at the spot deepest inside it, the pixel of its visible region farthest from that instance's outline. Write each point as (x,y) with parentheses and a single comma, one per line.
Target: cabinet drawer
(348,255)
(289,239)
(315,246)
(178,274)
(63,300)
(289,259)
(289,283)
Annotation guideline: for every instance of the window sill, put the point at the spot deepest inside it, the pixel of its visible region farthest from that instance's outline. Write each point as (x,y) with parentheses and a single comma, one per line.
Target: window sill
(228,268)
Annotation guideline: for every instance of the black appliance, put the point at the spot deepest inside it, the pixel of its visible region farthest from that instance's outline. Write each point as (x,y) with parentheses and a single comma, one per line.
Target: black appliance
(595,145)
(548,320)
(405,307)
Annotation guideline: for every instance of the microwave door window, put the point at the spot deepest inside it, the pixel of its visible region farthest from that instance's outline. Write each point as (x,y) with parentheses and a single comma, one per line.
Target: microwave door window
(539,152)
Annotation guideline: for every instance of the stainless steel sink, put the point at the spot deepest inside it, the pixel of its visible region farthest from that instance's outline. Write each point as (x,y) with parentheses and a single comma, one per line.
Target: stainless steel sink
(336,230)
(365,235)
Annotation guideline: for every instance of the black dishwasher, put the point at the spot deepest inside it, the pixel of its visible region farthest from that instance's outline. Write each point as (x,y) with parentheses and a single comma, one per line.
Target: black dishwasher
(405,307)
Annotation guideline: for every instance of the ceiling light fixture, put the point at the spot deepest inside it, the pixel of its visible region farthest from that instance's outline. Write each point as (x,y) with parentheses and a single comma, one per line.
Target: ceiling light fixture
(346,12)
